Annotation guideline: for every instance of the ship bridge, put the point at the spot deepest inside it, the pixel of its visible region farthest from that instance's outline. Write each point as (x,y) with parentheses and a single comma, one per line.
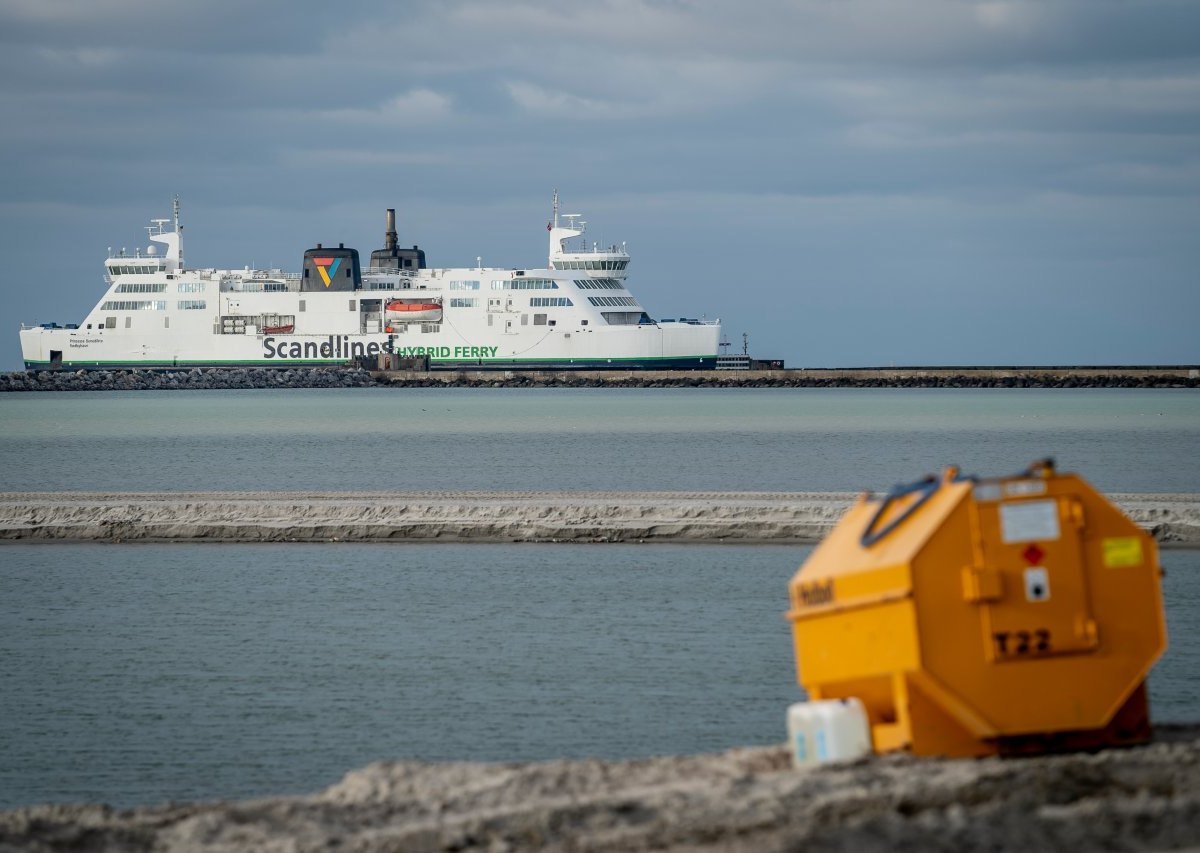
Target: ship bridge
(569,249)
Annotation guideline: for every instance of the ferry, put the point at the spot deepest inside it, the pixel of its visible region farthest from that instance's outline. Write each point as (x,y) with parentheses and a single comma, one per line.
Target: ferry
(576,313)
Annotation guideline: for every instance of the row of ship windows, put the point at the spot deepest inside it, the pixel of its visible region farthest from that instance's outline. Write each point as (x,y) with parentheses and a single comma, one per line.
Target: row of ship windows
(550,302)
(524,284)
(590,265)
(133,269)
(159,287)
(244,286)
(613,301)
(152,305)
(599,284)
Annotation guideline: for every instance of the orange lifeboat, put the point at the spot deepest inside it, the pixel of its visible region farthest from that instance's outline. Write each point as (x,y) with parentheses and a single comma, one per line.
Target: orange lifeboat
(399,311)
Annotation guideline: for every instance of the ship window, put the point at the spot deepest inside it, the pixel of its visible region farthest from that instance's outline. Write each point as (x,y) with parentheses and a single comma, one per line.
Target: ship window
(353,305)
(347,270)
(583,322)
(464,285)
(110,322)
(539,319)
(134,305)
(431,328)
(306,272)
(274,286)
(89,325)
(623,318)
(599,284)
(550,302)
(141,287)
(190,287)
(128,322)
(301,304)
(192,304)
(463,302)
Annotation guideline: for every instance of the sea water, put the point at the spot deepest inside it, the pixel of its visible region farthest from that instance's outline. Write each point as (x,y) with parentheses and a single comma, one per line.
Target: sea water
(572,439)
(142,673)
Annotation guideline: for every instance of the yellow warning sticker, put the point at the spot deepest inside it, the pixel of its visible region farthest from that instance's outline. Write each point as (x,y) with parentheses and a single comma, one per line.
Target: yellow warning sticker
(1122,551)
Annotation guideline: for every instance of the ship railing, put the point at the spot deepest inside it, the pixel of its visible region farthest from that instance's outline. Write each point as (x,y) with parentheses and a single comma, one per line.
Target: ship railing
(691,322)
(610,252)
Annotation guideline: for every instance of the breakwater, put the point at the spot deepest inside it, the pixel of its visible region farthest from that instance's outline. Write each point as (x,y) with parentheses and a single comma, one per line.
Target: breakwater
(213,378)
(477,516)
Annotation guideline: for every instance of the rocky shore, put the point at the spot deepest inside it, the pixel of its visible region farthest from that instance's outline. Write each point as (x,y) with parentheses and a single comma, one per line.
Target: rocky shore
(198,379)
(707,517)
(1146,798)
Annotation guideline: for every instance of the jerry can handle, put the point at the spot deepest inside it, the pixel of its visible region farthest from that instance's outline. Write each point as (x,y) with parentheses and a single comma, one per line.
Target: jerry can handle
(926,486)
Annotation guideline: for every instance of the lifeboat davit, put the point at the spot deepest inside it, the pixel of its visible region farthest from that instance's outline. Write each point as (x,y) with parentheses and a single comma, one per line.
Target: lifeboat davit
(399,311)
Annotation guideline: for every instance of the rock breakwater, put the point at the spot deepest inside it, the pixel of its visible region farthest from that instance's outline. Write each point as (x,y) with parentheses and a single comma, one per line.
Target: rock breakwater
(477,516)
(197,379)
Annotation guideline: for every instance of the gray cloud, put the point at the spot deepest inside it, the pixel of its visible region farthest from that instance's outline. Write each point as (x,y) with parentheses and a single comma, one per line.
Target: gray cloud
(829,176)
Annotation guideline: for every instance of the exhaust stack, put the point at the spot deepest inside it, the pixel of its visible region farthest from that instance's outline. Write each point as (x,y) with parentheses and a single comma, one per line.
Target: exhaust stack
(390,237)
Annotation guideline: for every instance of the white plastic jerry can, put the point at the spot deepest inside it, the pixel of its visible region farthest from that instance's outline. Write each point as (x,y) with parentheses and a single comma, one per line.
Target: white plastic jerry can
(828,730)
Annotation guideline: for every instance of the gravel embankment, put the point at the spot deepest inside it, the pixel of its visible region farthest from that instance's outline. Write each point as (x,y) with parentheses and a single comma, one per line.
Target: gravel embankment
(478,516)
(1146,798)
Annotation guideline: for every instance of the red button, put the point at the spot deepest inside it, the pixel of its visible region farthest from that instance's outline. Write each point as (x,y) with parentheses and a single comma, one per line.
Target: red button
(1033,555)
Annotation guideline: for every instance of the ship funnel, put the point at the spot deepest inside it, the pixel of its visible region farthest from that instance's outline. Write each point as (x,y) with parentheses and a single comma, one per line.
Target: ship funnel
(389,238)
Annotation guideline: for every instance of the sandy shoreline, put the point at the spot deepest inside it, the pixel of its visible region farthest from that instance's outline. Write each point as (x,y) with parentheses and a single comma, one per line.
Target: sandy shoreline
(1147,798)
(476,516)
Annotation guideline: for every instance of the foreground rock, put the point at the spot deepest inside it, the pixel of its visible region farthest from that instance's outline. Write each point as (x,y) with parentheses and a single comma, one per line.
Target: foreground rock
(477,516)
(743,800)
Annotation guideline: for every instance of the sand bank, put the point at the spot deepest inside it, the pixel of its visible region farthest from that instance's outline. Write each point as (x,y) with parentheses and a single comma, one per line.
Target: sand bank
(1146,798)
(476,516)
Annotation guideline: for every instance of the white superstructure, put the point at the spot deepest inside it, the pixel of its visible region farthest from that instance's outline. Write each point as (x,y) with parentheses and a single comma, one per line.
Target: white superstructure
(576,313)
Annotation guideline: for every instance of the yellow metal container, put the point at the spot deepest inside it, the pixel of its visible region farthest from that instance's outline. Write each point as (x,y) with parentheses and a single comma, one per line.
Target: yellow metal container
(974,617)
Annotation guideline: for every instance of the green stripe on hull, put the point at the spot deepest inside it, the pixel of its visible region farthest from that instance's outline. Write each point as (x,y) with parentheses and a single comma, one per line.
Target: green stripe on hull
(693,361)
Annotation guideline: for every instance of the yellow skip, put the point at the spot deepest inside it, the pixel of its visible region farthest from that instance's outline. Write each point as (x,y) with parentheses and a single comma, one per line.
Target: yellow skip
(974,617)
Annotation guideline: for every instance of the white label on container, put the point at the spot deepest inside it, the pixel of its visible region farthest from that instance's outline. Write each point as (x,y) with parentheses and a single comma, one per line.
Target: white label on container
(1025,521)
(1018,488)
(1037,584)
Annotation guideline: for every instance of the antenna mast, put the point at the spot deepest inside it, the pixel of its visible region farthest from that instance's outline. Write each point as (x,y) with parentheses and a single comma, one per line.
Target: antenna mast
(178,228)
(556,207)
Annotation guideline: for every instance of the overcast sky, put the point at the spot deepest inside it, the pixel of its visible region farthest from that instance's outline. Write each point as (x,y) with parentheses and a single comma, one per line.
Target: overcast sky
(851,182)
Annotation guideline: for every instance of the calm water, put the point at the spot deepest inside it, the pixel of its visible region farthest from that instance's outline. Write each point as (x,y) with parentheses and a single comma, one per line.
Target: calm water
(137,674)
(636,439)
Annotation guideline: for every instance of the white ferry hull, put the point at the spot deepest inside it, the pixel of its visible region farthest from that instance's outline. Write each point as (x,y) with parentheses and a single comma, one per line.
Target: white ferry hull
(575,313)
(635,347)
